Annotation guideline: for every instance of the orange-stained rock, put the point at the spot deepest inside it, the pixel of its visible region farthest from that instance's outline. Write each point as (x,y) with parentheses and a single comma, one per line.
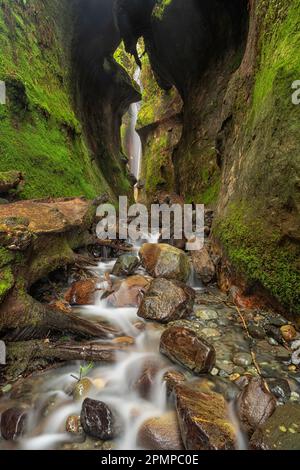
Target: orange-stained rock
(82,292)
(129,293)
(161,433)
(161,260)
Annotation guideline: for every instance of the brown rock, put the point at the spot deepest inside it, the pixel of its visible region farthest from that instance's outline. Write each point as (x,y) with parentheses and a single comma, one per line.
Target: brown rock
(186,347)
(166,301)
(129,293)
(255,405)
(12,423)
(162,260)
(146,380)
(203,265)
(203,418)
(288,332)
(73,425)
(172,379)
(98,420)
(161,433)
(82,389)
(82,292)
(61,305)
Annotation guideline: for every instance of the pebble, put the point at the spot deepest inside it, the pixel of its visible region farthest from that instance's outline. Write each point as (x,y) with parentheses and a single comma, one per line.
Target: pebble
(206,314)
(277,321)
(242,359)
(295,397)
(288,332)
(214,372)
(273,342)
(210,332)
(292,368)
(234,377)
(6,388)
(256,331)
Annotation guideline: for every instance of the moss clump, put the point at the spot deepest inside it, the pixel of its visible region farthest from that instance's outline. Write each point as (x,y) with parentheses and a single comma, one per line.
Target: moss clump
(6,257)
(40,133)
(258,251)
(160,8)
(6,282)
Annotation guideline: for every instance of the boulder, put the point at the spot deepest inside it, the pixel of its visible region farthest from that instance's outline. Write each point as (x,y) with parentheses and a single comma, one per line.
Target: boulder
(129,293)
(161,433)
(126,265)
(98,420)
(12,423)
(185,346)
(255,405)
(82,292)
(281,431)
(203,418)
(203,265)
(167,301)
(162,260)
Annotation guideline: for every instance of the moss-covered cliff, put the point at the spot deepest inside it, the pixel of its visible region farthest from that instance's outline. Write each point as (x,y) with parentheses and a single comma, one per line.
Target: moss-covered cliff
(40,132)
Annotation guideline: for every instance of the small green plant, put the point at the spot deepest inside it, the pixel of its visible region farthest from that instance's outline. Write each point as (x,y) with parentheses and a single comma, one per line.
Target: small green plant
(83,371)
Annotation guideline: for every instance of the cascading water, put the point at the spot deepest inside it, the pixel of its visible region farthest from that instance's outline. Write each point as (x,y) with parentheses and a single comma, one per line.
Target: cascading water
(132,140)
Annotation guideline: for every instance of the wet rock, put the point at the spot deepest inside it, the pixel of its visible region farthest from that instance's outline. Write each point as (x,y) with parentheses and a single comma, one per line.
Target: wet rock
(281,431)
(256,331)
(211,333)
(172,379)
(288,332)
(162,260)
(161,433)
(61,305)
(81,292)
(255,405)
(129,293)
(126,265)
(166,301)
(206,314)
(12,423)
(73,425)
(144,384)
(203,418)
(280,388)
(186,347)
(82,389)
(98,420)
(203,265)
(274,333)
(242,359)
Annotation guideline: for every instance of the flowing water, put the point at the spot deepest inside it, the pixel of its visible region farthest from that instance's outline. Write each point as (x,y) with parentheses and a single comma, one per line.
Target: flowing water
(133,141)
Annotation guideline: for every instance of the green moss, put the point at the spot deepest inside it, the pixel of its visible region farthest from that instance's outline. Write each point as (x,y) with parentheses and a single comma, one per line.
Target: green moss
(40,133)
(160,8)
(257,250)
(5,257)
(6,282)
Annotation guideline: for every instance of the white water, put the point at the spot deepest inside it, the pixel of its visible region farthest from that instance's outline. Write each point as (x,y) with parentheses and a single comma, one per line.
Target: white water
(133,141)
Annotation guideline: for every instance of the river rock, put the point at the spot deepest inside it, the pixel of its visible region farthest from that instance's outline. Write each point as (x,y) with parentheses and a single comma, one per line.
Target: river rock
(185,346)
(255,405)
(162,260)
(144,384)
(280,389)
(203,265)
(172,378)
(82,292)
(203,418)
(242,359)
(166,301)
(281,431)
(129,293)
(161,433)
(126,265)
(82,389)
(288,332)
(98,420)
(73,425)
(256,331)
(12,423)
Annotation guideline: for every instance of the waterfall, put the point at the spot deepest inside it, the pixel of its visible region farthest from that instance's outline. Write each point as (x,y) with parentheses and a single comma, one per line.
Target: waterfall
(133,141)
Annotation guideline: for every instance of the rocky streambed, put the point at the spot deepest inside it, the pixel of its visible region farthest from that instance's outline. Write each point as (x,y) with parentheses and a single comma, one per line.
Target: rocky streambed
(181,365)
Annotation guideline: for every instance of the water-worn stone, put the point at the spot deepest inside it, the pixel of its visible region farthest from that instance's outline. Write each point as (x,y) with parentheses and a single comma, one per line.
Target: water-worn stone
(280,389)
(12,423)
(144,383)
(255,405)
(82,389)
(256,331)
(161,433)
(172,378)
(281,431)
(166,301)
(288,332)
(73,425)
(98,420)
(203,418)
(242,359)
(126,265)
(161,260)
(129,293)
(186,347)
(82,292)
(203,265)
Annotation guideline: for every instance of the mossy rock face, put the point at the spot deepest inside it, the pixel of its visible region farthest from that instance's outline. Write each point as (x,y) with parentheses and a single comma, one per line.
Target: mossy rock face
(40,134)
(258,220)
